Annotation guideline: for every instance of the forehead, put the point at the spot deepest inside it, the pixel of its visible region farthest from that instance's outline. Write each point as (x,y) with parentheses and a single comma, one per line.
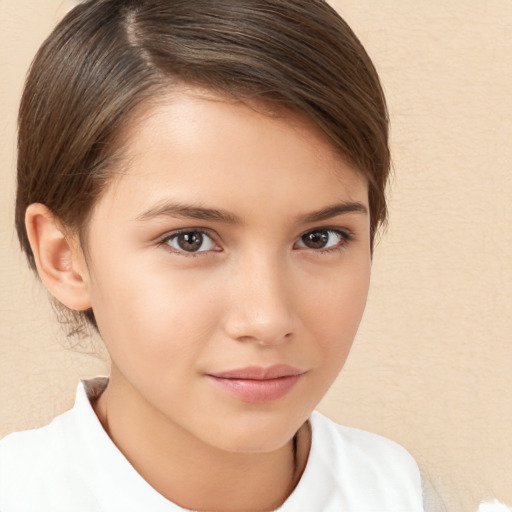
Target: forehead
(197,144)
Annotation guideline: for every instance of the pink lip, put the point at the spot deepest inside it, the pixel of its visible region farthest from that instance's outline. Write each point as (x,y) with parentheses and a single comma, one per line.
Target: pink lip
(257,384)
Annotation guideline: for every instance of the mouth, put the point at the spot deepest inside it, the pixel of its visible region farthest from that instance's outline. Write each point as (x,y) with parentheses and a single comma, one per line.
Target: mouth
(257,384)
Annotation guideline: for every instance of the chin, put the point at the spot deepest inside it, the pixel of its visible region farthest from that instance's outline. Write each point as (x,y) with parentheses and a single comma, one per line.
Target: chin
(256,435)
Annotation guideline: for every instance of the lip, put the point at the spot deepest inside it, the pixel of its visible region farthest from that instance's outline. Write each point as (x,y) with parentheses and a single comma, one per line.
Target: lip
(258,384)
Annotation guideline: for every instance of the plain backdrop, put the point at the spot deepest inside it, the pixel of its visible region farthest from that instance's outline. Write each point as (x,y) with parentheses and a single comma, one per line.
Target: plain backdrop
(432,364)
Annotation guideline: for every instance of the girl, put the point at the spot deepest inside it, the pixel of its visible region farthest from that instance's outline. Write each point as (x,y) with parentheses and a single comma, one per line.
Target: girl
(202,183)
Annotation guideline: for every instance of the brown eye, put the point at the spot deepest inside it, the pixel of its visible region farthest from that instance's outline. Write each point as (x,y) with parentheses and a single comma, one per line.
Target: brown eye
(323,239)
(190,241)
(316,239)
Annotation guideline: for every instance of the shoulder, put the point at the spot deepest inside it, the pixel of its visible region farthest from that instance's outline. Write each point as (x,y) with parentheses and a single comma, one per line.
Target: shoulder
(368,465)
(30,451)
(366,445)
(38,469)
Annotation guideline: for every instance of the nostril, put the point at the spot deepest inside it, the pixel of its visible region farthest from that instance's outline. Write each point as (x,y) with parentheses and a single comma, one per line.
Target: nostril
(275,340)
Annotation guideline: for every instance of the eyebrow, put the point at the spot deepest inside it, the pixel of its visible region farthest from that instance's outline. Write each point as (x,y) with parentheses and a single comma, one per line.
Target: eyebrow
(179,210)
(334,211)
(168,209)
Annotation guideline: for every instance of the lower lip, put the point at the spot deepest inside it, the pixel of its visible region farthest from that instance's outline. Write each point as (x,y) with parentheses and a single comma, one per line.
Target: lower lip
(257,391)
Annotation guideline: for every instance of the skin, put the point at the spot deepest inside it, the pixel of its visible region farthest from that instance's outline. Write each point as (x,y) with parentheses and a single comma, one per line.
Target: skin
(254,294)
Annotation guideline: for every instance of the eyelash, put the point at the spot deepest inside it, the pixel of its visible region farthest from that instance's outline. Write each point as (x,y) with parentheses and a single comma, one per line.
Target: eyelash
(170,236)
(345,238)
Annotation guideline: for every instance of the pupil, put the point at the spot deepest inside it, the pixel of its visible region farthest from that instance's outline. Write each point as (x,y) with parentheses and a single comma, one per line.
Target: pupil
(190,241)
(316,239)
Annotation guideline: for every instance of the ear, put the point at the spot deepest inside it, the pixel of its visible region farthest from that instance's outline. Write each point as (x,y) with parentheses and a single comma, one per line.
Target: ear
(59,259)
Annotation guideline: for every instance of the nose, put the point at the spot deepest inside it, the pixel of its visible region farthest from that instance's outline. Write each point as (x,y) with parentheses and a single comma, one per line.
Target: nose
(261,307)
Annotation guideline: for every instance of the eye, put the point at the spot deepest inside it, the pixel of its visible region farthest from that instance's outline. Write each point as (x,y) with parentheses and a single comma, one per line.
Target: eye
(193,241)
(323,239)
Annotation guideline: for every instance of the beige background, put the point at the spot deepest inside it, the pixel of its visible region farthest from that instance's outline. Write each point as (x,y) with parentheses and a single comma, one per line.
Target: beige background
(432,364)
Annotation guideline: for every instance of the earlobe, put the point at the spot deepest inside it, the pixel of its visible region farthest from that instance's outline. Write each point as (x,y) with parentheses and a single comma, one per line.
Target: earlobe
(59,259)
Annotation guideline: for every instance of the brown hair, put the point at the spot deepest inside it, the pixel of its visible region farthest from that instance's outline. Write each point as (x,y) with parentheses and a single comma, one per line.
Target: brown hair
(106,57)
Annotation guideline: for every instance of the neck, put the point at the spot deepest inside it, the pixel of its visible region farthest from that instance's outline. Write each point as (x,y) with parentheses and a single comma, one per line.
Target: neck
(191,473)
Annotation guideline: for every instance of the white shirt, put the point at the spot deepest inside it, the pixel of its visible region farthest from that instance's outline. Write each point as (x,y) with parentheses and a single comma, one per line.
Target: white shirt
(72,465)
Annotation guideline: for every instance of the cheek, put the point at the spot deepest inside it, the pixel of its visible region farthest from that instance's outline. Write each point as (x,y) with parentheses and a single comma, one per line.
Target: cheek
(156,313)
(336,308)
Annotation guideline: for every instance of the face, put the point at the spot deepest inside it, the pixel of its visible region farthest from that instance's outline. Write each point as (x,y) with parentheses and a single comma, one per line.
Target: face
(228,268)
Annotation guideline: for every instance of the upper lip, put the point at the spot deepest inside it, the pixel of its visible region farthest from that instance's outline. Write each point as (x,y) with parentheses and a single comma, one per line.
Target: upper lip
(259,372)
